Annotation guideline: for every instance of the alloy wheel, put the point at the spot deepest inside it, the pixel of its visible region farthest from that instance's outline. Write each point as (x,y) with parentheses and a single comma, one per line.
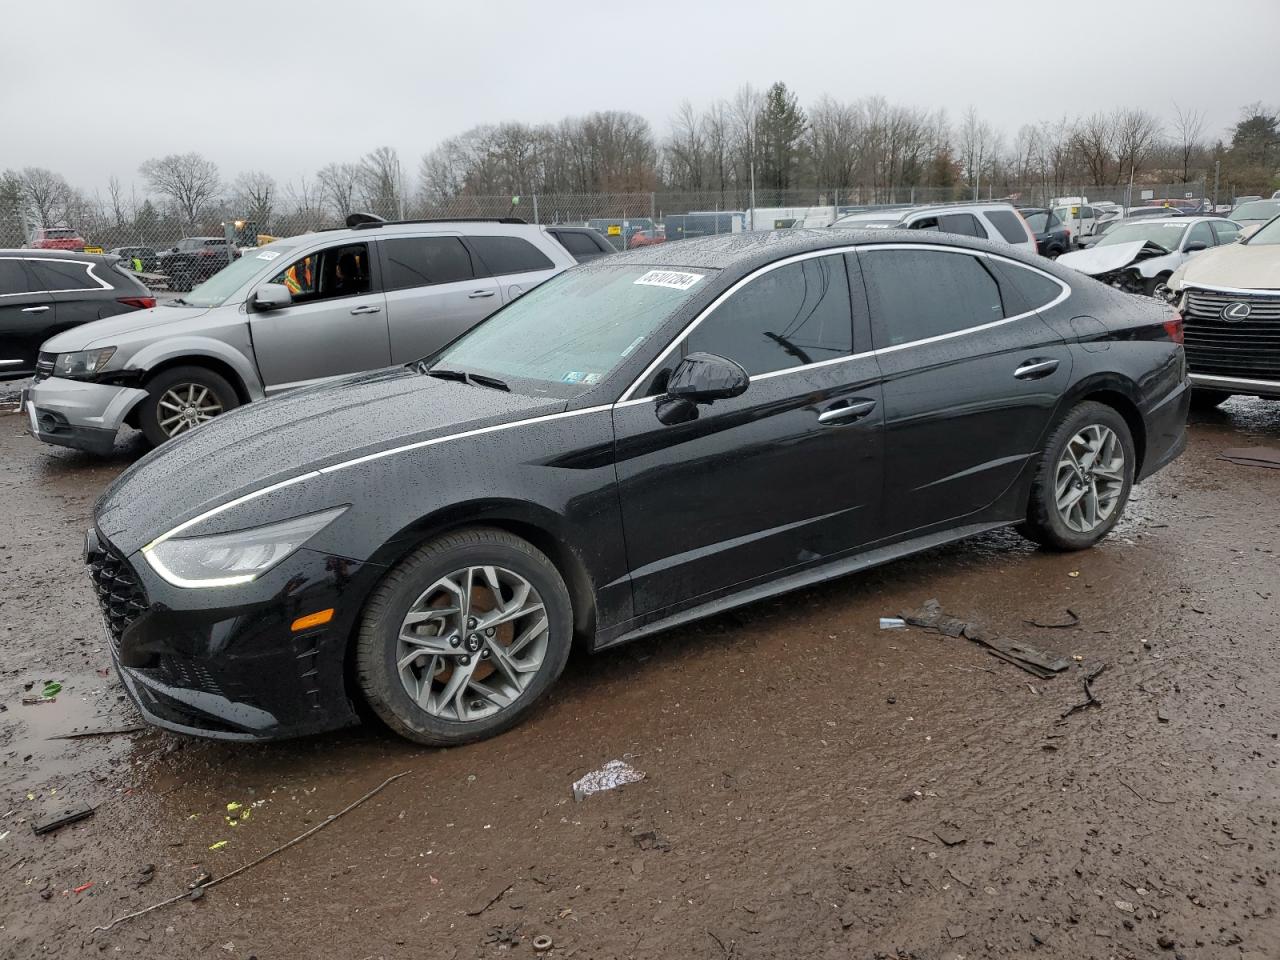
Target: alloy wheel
(472,643)
(1090,478)
(186,405)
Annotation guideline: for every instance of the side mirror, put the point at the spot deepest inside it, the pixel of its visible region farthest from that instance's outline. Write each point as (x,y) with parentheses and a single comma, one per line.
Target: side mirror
(272,296)
(703,377)
(1194,246)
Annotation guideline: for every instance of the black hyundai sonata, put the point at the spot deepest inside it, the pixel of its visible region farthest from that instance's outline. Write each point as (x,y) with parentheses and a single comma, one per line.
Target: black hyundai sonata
(639,442)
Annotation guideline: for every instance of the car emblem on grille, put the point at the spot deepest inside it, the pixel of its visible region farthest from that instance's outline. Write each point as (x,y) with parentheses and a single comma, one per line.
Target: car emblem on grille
(1236,311)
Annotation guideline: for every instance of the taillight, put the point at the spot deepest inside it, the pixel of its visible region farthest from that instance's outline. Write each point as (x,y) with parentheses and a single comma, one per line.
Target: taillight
(141,303)
(1173,327)
(1068,229)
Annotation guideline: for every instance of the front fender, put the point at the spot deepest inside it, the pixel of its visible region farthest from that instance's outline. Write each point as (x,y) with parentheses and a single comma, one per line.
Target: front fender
(236,356)
(1158,265)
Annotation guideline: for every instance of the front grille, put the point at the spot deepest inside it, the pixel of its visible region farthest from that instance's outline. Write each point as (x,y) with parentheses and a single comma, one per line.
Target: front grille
(119,593)
(44,367)
(1248,348)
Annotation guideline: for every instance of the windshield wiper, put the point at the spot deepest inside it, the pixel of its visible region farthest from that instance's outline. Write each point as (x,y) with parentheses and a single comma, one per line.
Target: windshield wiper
(463,377)
(176,302)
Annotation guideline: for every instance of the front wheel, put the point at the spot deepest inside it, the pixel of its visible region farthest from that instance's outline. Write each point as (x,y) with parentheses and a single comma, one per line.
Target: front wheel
(1082,481)
(1158,287)
(181,399)
(463,637)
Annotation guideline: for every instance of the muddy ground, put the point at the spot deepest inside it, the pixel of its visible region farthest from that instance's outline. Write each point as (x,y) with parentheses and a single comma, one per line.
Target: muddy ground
(816,787)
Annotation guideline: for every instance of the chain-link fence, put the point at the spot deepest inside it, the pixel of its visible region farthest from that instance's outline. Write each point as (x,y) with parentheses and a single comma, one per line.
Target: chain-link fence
(628,219)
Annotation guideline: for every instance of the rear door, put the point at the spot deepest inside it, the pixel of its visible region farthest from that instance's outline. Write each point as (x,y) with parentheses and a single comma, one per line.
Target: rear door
(336,324)
(787,475)
(515,263)
(26,318)
(433,293)
(971,380)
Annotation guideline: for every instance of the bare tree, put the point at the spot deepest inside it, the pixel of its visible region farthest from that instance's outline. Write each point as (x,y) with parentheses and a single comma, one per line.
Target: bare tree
(304,205)
(187,179)
(1094,140)
(978,144)
(1188,126)
(116,192)
(254,197)
(45,194)
(686,150)
(338,183)
(1137,137)
(382,181)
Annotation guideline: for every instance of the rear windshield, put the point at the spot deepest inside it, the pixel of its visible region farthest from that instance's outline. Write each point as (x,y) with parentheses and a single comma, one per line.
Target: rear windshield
(222,285)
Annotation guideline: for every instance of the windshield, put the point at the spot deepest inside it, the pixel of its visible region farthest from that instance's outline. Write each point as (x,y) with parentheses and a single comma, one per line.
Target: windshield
(571,332)
(1268,236)
(1257,210)
(1159,232)
(215,291)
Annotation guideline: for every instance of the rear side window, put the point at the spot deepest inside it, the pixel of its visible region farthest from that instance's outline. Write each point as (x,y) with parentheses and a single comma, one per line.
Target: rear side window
(422,261)
(918,294)
(789,317)
(578,244)
(13,279)
(1009,224)
(1024,289)
(965,224)
(499,256)
(54,275)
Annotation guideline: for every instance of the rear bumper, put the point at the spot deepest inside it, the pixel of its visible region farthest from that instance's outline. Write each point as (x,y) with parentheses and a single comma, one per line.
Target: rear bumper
(1243,386)
(1166,429)
(86,416)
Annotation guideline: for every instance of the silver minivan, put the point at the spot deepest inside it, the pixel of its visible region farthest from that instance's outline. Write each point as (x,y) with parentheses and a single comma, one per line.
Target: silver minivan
(293,313)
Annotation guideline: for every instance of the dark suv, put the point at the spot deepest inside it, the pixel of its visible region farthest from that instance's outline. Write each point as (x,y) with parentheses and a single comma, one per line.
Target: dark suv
(1053,237)
(43,292)
(196,259)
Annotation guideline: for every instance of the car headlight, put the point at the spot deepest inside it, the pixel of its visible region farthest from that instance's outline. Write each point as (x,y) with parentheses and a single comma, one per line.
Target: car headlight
(82,365)
(226,559)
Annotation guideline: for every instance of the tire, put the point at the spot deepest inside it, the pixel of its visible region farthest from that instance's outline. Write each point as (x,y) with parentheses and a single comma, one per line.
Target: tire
(1209,399)
(1046,523)
(1157,287)
(381,647)
(175,385)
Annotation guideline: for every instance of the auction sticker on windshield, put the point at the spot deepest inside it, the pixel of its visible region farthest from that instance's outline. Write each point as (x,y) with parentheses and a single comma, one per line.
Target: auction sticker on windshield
(669,278)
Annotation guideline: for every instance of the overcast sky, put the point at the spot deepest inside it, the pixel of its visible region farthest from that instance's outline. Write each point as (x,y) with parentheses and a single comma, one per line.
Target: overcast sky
(92,88)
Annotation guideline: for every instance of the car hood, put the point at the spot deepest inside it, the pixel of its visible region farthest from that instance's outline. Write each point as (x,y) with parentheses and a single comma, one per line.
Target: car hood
(1237,265)
(275,440)
(1102,259)
(100,332)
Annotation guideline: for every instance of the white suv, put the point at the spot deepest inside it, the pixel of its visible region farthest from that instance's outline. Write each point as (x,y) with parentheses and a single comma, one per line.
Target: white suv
(995,221)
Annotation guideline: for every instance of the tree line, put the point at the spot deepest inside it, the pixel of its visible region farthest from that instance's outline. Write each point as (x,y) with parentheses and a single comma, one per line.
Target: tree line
(866,150)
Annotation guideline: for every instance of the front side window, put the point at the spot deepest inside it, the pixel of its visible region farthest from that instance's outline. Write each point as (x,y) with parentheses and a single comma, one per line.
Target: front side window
(790,316)
(1201,233)
(425,261)
(501,256)
(573,331)
(55,275)
(918,294)
(341,271)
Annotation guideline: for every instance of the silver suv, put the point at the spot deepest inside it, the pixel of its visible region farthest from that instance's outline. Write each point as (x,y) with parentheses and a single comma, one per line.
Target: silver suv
(289,314)
(987,220)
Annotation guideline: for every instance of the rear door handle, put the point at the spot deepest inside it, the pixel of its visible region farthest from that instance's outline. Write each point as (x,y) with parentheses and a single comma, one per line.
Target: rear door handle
(479,294)
(1035,368)
(34,309)
(847,412)
(365,309)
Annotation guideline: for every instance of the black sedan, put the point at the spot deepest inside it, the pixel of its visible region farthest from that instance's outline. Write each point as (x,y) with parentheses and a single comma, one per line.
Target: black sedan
(43,292)
(644,440)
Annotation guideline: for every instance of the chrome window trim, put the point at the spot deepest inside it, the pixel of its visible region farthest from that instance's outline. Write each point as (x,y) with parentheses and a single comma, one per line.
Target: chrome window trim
(102,284)
(628,397)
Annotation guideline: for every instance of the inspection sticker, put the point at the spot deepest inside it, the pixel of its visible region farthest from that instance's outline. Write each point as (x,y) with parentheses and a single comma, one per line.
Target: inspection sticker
(268,254)
(669,278)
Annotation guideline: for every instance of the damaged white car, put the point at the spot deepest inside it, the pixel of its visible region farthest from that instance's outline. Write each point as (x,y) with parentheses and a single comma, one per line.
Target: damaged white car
(1141,257)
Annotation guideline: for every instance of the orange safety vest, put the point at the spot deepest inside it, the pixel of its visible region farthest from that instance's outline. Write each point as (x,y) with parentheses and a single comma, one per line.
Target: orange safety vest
(291,277)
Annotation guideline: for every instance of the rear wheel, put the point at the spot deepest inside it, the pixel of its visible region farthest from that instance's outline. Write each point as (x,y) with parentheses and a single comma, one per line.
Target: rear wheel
(1082,481)
(463,637)
(182,398)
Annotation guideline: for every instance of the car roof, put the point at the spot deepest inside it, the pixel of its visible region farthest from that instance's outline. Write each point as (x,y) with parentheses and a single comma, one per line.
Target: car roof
(746,251)
(415,228)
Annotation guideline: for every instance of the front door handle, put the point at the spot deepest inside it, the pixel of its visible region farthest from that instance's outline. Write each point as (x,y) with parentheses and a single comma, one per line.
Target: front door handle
(34,309)
(479,294)
(847,412)
(358,311)
(1035,369)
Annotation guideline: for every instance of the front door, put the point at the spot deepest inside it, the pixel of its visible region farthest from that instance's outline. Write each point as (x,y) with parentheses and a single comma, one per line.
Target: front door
(786,475)
(971,379)
(336,324)
(434,293)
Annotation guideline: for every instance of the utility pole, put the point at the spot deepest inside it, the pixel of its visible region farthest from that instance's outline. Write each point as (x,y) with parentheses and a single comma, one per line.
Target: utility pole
(1217,169)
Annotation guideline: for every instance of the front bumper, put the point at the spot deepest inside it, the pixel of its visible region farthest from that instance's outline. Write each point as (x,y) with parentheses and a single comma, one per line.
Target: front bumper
(1243,386)
(224,662)
(75,413)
